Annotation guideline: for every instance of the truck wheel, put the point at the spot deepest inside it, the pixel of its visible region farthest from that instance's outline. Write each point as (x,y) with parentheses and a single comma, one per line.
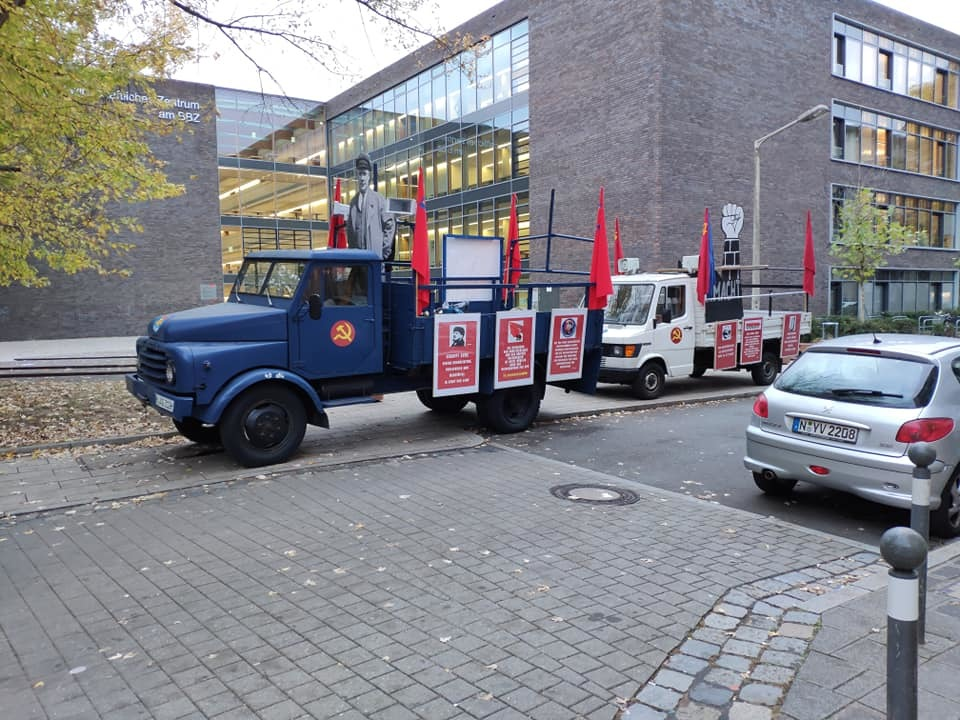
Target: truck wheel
(195,431)
(649,383)
(447,405)
(510,410)
(766,371)
(263,426)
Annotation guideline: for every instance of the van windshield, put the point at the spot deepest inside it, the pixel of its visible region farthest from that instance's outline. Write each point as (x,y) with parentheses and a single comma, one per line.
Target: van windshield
(629,304)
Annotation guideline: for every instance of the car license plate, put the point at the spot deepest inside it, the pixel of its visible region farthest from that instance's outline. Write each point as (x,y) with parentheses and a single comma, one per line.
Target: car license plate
(163,402)
(830,431)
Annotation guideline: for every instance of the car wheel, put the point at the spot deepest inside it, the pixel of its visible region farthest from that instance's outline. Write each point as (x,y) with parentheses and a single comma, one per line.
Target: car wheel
(193,429)
(945,520)
(649,383)
(263,426)
(766,371)
(774,485)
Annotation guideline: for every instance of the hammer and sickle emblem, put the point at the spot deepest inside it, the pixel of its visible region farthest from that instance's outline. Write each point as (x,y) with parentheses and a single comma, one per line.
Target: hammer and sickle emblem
(342,333)
(676,335)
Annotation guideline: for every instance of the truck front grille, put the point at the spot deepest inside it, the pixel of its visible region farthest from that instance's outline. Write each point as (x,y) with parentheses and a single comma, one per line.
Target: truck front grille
(152,362)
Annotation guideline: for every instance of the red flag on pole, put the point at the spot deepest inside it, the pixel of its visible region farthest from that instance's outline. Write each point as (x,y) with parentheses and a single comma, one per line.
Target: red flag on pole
(420,256)
(809,261)
(705,266)
(617,247)
(511,269)
(601,286)
(337,237)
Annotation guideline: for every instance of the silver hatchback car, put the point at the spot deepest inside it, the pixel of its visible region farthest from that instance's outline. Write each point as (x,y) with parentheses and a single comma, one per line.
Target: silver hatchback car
(844,414)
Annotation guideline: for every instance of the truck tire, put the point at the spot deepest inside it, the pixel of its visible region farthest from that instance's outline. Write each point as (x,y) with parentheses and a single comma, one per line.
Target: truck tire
(264,425)
(649,382)
(765,372)
(510,410)
(195,431)
(447,405)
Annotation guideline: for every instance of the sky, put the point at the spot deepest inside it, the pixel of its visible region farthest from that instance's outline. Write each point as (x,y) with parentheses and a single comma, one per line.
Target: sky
(363,51)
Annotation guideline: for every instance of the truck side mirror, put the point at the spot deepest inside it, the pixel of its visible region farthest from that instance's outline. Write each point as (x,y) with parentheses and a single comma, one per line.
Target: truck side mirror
(315,302)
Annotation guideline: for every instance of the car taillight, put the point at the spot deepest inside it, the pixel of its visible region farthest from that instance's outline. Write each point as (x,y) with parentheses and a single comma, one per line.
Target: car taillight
(760,408)
(924,430)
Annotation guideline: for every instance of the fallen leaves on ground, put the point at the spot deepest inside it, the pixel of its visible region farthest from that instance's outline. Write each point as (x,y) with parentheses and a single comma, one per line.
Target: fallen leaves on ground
(42,411)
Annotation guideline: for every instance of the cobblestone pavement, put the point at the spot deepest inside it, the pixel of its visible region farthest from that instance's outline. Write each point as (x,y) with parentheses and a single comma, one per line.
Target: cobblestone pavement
(433,586)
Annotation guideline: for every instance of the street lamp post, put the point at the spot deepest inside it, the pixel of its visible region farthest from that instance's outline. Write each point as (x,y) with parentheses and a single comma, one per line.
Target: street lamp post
(808,115)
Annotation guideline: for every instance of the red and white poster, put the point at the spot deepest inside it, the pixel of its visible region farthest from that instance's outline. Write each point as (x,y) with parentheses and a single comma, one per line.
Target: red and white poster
(790,344)
(751,344)
(514,348)
(565,352)
(456,344)
(725,345)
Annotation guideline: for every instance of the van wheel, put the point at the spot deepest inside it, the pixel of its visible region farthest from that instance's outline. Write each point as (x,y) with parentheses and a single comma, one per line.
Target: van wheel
(774,485)
(766,371)
(263,426)
(649,383)
(445,405)
(510,410)
(195,431)
(945,520)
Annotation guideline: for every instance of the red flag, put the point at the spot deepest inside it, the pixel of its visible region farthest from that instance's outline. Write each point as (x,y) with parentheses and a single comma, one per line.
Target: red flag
(420,256)
(337,237)
(601,286)
(511,269)
(705,267)
(809,262)
(617,247)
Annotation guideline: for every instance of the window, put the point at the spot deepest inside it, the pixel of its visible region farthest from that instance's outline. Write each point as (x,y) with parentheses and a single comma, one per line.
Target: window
(895,292)
(933,220)
(874,59)
(868,138)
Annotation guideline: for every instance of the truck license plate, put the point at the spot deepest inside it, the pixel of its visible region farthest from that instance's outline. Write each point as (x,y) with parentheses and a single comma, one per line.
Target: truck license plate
(830,431)
(163,402)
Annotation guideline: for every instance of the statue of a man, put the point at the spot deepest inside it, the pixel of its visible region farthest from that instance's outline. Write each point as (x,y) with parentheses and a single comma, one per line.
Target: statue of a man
(369,225)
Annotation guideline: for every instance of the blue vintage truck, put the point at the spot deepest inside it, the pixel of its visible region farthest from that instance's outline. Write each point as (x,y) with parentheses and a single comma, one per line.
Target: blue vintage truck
(250,373)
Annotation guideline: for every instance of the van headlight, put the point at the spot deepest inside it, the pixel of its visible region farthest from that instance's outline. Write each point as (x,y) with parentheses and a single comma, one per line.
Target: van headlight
(627,351)
(171,372)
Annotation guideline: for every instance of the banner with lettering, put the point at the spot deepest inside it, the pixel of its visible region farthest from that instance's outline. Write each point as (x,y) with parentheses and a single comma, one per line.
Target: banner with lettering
(725,345)
(456,343)
(514,348)
(790,345)
(751,344)
(565,352)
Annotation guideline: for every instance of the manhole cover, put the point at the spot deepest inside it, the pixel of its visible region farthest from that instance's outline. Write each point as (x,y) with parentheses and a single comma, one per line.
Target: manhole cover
(595,494)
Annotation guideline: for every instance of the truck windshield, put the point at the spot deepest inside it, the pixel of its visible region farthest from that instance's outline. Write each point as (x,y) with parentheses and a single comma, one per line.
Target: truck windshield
(629,304)
(273,278)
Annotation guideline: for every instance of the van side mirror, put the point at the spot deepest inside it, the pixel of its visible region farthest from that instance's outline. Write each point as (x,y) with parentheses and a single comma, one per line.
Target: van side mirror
(315,303)
(666,316)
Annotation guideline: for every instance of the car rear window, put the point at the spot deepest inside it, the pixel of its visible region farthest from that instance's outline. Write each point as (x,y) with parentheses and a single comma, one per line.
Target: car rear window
(861,378)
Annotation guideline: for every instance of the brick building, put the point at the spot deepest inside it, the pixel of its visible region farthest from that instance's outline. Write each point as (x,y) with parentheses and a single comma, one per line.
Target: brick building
(658,102)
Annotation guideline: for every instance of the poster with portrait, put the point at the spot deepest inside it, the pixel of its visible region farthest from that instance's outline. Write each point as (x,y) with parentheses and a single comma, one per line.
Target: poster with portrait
(725,345)
(790,344)
(565,351)
(751,344)
(514,348)
(456,344)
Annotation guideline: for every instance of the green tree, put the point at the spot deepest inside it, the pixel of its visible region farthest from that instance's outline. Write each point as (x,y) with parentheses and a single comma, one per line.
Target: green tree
(70,157)
(867,236)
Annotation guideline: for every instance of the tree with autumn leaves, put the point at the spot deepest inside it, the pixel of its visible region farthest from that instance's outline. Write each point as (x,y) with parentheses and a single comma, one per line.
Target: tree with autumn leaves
(73,164)
(866,237)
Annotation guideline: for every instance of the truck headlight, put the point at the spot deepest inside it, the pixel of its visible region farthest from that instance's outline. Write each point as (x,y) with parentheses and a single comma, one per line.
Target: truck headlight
(171,372)
(623,350)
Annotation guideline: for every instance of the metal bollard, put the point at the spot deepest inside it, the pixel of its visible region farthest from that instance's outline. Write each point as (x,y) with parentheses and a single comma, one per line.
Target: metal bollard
(905,550)
(922,456)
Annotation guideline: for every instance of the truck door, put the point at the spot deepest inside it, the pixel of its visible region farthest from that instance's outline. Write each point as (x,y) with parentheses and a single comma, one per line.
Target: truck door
(673,336)
(346,339)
